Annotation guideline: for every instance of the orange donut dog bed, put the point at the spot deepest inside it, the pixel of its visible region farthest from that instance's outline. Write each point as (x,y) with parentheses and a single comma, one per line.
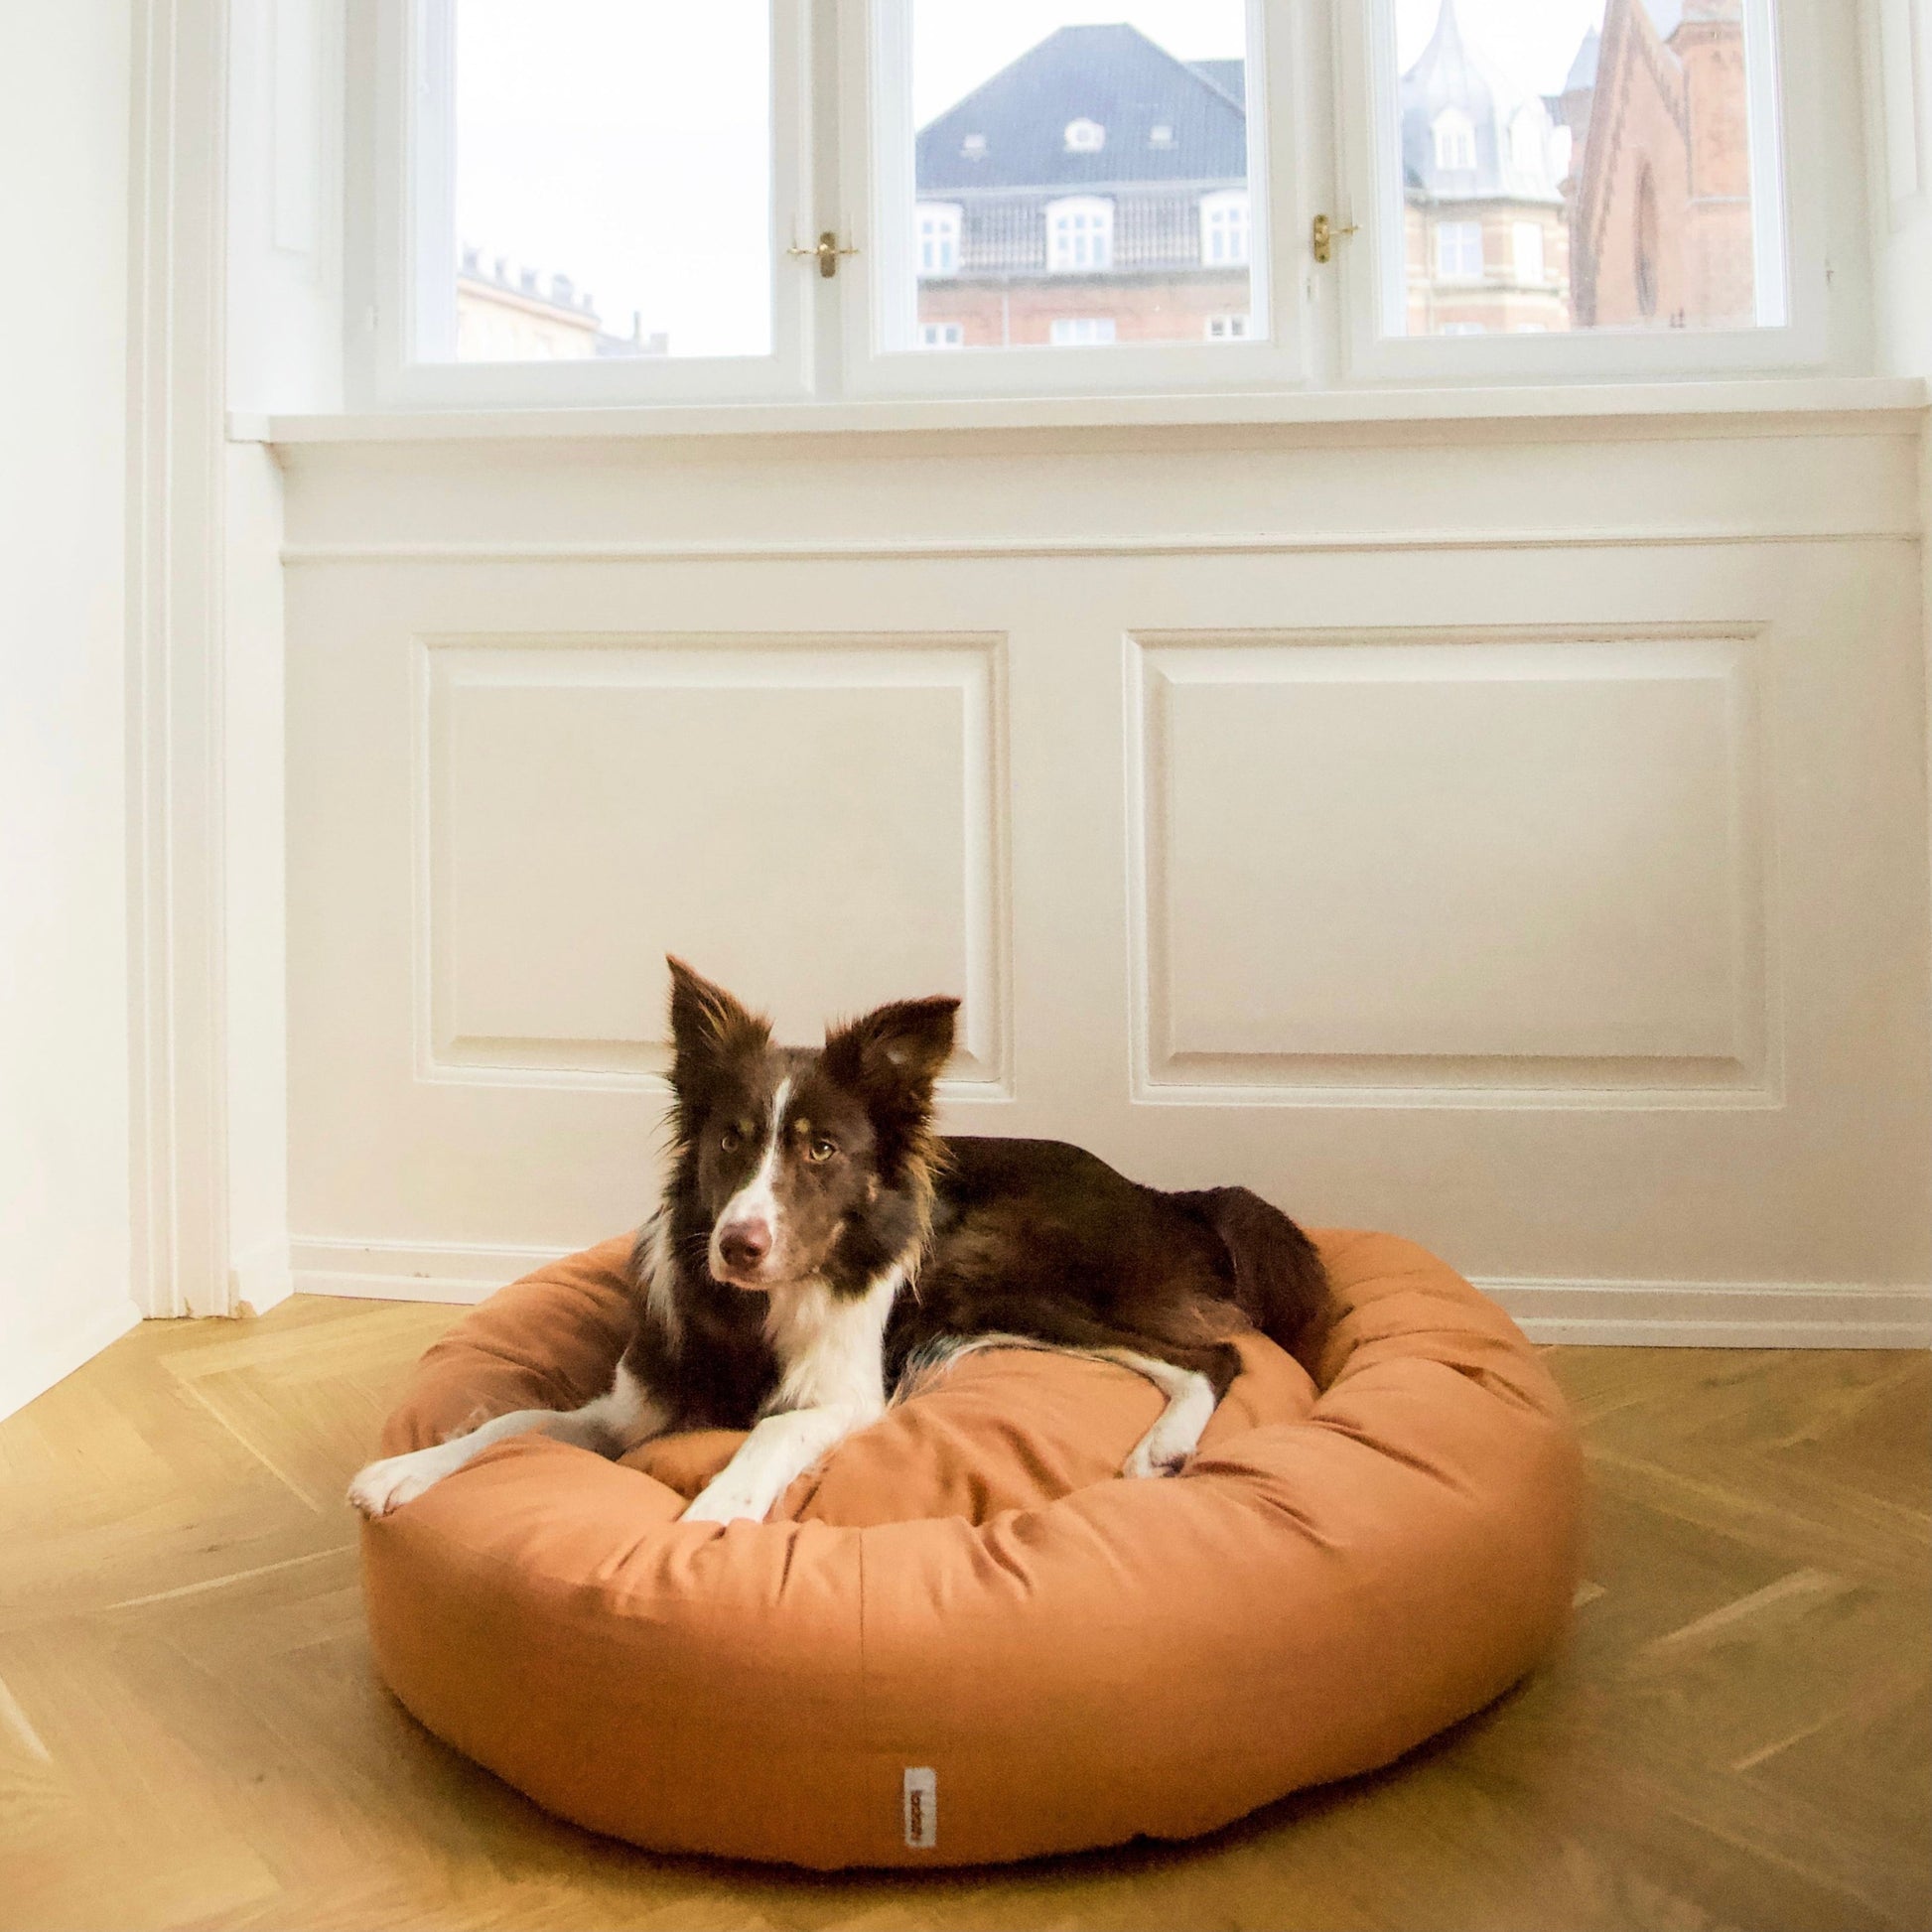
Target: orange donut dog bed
(965,1638)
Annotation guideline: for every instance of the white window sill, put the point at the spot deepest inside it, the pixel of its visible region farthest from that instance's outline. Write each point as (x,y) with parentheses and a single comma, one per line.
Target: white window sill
(1718,404)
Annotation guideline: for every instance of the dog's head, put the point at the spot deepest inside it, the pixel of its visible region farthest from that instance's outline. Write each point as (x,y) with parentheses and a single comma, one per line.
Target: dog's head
(805,1163)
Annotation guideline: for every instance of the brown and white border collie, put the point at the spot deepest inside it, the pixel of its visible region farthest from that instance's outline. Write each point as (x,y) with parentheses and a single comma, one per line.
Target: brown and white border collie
(818,1246)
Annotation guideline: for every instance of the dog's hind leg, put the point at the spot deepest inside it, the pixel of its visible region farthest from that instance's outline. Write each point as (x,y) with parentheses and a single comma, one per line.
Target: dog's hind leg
(1176,1434)
(624,1415)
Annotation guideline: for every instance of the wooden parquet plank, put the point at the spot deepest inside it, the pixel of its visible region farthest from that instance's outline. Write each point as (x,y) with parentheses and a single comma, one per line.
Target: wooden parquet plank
(1738,1734)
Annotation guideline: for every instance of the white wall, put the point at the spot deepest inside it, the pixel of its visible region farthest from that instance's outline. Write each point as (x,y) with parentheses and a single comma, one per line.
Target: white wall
(64,1066)
(1508,833)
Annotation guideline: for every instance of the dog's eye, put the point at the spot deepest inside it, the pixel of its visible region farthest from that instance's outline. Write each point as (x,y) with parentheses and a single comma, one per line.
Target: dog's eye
(727,1140)
(821,1150)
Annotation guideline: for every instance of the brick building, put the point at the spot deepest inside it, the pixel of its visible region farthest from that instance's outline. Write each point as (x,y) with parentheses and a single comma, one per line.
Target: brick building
(1660,199)
(1486,239)
(1093,190)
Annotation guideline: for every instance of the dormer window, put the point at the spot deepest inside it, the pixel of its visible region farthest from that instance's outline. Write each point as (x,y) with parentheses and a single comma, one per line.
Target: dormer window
(938,240)
(1526,142)
(1079,235)
(1159,135)
(1085,137)
(974,147)
(1224,228)
(1456,141)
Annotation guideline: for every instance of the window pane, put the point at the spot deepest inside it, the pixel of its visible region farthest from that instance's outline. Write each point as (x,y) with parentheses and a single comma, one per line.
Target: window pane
(612,180)
(1091,163)
(1578,164)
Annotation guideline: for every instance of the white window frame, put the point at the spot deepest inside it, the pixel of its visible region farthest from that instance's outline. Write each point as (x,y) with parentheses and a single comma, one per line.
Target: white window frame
(877,306)
(942,335)
(1453,122)
(945,220)
(1066,241)
(1465,272)
(1081,332)
(1784,63)
(1230,205)
(401,243)
(1083,136)
(1536,273)
(1226,328)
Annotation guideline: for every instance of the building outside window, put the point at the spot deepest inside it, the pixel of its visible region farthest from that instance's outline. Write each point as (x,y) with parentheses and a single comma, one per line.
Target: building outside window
(1526,249)
(1081,332)
(1456,142)
(938,238)
(1459,252)
(942,335)
(1224,228)
(1080,235)
(1227,328)
(1154,214)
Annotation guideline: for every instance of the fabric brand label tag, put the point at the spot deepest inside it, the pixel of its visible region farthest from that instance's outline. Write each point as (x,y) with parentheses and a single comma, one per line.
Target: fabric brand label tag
(921,1808)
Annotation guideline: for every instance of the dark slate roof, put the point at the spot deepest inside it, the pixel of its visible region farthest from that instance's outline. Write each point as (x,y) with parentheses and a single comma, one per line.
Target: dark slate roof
(1449,73)
(1114,75)
(1231,77)
(1583,70)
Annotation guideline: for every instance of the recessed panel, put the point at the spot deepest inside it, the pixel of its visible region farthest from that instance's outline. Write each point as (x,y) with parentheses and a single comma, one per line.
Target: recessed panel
(1524,864)
(811,826)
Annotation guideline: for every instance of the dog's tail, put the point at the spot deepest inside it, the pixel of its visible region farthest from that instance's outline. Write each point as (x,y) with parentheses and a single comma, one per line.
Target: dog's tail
(1280,1284)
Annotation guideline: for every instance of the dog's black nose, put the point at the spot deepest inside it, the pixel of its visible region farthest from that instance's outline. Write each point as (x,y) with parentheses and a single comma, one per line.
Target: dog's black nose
(744,1244)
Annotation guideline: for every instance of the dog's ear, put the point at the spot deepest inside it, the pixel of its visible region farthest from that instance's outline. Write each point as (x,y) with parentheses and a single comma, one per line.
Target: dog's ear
(895,1051)
(708,1024)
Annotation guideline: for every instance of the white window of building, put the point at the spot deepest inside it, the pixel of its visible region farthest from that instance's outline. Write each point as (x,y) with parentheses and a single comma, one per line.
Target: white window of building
(1526,144)
(942,335)
(1459,252)
(1079,235)
(1526,244)
(973,147)
(1085,137)
(1462,329)
(1159,135)
(1081,332)
(1455,140)
(1224,228)
(938,238)
(1227,328)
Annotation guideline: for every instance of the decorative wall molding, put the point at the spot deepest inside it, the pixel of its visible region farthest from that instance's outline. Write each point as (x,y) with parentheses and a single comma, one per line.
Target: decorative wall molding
(1421,974)
(1176,544)
(176,514)
(1663,1314)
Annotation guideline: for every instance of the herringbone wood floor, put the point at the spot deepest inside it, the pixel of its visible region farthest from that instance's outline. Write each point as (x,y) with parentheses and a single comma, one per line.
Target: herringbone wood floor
(1739,1733)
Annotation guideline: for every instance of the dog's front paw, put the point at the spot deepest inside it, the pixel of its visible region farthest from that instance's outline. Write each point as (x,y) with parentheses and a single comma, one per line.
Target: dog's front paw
(721,1501)
(395,1480)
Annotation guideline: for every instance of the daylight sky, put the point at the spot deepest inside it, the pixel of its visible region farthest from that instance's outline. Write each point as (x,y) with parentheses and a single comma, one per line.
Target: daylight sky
(625,144)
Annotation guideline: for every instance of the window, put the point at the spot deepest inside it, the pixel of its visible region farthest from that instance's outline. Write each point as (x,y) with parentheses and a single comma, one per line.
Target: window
(595,202)
(1456,142)
(1640,136)
(1459,252)
(1080,331)
(1526,143)
(1224,229)
(1080,235)
(1526,248)
(938,240)
(1117,151)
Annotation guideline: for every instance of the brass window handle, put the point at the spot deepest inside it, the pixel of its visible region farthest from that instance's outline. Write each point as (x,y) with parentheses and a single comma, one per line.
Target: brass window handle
(1325,234)
(826,254)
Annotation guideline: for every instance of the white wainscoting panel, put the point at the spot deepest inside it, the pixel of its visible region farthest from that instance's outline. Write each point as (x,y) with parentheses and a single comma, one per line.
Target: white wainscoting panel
(699,794)
(1554,894)
(1444,864)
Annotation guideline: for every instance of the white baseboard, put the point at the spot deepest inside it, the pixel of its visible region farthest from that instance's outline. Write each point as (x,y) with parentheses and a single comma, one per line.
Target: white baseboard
(409,1271)
(1719,1315)
(1656,1314)
(48,1360)
(261,1278)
